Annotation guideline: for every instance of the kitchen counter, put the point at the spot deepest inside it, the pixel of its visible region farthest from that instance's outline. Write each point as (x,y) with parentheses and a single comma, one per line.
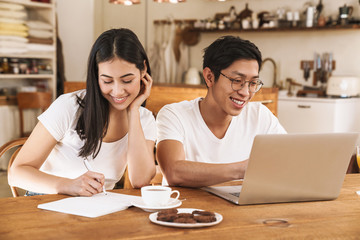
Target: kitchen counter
(321,114)
(321,99)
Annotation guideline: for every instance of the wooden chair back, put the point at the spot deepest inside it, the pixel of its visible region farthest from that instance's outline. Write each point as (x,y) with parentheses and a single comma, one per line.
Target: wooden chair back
(31,100)
(17,143)
(165,94)
(157,180)
(268,97)
(73,86)
(162,94)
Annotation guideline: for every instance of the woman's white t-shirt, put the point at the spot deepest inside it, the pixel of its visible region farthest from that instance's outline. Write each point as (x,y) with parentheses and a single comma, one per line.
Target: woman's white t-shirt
(60,120)
(183,122)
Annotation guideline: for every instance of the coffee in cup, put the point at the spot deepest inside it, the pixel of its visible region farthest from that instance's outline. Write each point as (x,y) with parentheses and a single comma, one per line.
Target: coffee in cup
(158,195)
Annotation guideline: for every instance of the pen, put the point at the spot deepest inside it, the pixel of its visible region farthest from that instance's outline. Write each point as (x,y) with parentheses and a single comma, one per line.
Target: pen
(88,167)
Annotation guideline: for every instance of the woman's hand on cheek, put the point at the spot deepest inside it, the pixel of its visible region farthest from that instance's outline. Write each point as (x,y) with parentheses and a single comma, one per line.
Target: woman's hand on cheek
(145,89)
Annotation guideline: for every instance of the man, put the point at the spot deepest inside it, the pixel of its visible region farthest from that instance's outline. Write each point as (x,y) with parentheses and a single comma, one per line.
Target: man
(208,141)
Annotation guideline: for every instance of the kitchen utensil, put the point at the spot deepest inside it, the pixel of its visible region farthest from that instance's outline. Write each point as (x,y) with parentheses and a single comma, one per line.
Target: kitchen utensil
(245,23)
(345,13)
(326,67)
(232,14)
(246,13)
(310,11)
(319,9)
(190,37)
(317,67)
(306,70)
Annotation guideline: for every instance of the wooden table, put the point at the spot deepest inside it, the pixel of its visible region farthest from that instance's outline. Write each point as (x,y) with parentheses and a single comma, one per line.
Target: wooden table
(338,219)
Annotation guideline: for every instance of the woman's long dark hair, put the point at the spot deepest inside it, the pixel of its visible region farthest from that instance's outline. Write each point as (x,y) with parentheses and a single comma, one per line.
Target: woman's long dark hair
(94,108)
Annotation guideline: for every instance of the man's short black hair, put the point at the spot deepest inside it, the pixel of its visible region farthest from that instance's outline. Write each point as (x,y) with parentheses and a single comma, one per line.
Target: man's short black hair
(228,49)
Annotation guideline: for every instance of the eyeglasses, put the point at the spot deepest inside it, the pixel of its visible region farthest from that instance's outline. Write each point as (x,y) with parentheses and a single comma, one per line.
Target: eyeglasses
(238,84)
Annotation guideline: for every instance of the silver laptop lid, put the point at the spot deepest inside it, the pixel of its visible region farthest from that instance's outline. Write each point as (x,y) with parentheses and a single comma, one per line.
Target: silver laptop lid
(297,167)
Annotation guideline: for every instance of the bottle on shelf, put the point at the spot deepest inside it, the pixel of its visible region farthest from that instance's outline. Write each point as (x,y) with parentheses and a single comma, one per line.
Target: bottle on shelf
(34,68)
(15,69)
(5,66)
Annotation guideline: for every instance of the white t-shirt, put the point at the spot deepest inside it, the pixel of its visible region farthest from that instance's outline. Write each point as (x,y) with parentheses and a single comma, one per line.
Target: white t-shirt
(183,122)
(60,120)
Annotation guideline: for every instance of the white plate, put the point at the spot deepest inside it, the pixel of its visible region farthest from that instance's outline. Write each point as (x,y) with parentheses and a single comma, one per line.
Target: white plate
(153,218)
(140,204)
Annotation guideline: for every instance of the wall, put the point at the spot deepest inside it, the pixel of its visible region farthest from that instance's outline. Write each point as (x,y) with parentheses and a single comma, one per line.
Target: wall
(132,17)
(76,30)
(286,48)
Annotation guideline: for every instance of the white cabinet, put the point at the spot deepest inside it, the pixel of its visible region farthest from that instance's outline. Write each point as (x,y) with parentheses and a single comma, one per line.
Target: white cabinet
(41,50)
(316,115)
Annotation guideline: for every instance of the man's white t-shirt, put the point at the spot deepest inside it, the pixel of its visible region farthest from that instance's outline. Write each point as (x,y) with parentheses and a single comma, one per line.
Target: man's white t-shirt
(183,122)
(60,120)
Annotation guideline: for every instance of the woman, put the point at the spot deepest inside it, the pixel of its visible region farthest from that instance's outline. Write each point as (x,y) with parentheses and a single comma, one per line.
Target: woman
(104,124)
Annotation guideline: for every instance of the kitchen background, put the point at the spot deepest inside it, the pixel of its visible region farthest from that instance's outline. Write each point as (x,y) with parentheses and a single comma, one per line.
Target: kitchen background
(81,21)
(191,26)
(287,48)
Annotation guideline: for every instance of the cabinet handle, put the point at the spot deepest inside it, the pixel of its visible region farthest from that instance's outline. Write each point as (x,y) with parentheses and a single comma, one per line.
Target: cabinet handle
(265,101)
(304,106)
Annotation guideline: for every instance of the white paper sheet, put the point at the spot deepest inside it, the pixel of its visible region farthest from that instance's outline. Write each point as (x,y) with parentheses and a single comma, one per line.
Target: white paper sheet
(95,206)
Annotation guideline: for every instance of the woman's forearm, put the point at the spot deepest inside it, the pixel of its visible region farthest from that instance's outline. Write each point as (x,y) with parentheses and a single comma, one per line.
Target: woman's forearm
(140,154)
(31,179)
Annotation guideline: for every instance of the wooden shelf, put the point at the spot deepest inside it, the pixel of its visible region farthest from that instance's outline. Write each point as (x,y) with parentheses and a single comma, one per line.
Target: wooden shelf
(28,76)
(31,54)
(288,29)
(31,4)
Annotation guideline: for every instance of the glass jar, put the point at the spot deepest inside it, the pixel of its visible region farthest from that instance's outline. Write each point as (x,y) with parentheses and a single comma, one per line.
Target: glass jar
(15,67)
(5,66)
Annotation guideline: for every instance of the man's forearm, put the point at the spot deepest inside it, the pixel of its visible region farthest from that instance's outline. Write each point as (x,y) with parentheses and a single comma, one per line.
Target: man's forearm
(197,174)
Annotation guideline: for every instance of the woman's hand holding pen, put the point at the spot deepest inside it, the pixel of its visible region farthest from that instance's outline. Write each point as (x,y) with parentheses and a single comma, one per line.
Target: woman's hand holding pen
(88,184)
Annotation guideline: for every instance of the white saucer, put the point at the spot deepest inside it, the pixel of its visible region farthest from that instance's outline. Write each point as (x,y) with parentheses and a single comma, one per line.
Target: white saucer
(140,204)
(153,218)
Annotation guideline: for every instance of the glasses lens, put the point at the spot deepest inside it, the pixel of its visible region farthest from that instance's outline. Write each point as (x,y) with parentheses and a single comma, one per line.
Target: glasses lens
(237,84)
(254,86)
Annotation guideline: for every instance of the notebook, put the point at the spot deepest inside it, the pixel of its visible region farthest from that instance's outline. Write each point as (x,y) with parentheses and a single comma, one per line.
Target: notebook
(94,206)
(293,168)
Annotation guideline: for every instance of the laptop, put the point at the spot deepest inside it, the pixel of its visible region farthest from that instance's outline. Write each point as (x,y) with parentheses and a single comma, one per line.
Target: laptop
(293,168)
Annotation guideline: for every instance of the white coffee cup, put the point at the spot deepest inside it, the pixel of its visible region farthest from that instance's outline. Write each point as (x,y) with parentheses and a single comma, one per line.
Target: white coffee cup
(158,195)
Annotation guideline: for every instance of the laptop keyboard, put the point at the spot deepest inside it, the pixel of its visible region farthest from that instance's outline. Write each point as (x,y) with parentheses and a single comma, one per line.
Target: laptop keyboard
(236,194)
